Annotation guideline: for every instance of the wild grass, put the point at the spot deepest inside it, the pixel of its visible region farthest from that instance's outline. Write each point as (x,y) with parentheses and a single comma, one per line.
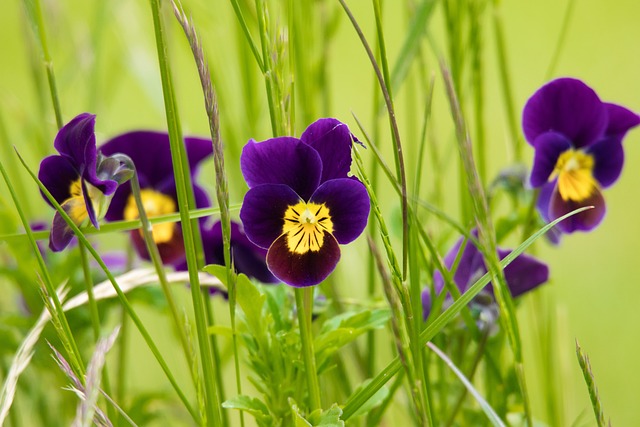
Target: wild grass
(441,152)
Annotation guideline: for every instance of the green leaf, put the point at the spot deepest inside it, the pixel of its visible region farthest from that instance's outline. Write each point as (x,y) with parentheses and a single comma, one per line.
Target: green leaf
(373,401)
(318,418)
(219,271)
(251,301)
(254,406)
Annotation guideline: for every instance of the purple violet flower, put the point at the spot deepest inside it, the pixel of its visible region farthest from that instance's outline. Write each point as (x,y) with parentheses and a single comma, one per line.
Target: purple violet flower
(522,275)
(301,202)
(578,150)
(80,179)
(151,154)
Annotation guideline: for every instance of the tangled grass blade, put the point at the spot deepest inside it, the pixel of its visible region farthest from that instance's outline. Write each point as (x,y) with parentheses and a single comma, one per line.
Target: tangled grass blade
(104,290)
(22,358)
(88,406)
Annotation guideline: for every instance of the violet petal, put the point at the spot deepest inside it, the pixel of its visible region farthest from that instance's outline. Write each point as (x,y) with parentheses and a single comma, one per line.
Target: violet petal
(332,140)
(348,204)
(549,146)
(57,174)
(608,157)
(263,210)
(567,106)
(621,120)
(282,160)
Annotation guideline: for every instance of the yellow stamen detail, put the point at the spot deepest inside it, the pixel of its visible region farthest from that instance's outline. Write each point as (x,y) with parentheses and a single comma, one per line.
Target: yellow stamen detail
(78,210)
(155,204)
(574,170)
(305,225)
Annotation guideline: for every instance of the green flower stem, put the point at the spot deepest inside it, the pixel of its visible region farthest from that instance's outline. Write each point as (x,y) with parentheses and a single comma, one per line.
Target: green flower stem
(154,254)
(267,67)
(121,295)
(95,319)
(217,359)
(507,91)
(363,395)
(304,304)
(67,337)
(247,34)
(384,82)
(48,63)
(190,229)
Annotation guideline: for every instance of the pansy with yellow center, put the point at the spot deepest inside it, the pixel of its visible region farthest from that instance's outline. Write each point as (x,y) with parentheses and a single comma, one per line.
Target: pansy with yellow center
(80,179)
(151,154)
(578,150)
(301,202)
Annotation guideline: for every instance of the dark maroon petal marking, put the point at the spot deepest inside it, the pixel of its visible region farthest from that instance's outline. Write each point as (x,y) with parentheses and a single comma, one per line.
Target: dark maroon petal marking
(583,221)
(301,270)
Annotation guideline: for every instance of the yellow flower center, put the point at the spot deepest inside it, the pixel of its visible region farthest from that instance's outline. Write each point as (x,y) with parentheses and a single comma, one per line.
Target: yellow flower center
(75,206)
(574,170)
(155,204)
(305,225)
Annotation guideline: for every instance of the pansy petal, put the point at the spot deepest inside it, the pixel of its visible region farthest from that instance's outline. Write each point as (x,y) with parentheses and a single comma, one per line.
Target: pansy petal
(583,221)
(263,210)
(524,273)
(348,204)
(247,258)
(567,106)
(621,120)
(283,160)
(61,234)
(171,252)
(151,153)
(549,146)
(332,140)
(608,157)
(57,174)
(301,270)
(544,199)
(77,141)
(88,205)
(119,202)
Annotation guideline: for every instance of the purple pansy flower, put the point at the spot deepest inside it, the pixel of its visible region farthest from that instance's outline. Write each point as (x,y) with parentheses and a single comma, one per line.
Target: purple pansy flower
(151,154)
(578,150)
(80,179)
(301,202)
(522,275)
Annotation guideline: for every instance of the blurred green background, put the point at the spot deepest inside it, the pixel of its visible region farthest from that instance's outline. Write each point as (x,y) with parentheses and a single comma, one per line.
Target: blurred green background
(105,62)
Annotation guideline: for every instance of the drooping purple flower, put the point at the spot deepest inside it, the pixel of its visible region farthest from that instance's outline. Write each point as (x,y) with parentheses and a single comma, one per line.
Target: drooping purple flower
(578,150)
(80,178)
(151,154)
(301,202)
(522,275)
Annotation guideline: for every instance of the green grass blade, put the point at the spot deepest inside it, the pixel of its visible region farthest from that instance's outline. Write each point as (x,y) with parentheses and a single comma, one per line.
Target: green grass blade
(361,396)
(585,366)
